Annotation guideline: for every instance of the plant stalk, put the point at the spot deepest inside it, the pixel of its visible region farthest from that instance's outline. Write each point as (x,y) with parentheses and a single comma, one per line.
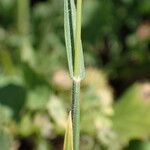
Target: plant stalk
(76,114)
(76,82)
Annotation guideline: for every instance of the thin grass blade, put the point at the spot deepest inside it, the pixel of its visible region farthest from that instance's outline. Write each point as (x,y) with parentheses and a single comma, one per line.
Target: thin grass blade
(70,29)
(69,37)
(68,142)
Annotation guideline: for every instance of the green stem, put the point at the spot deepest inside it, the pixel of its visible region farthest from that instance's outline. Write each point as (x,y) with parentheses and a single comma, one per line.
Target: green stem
(76,82)
(76,114)
(78,40)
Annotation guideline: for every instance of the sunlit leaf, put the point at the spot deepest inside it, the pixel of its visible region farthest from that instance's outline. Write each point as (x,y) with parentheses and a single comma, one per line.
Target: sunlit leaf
(57,111)
(131,119)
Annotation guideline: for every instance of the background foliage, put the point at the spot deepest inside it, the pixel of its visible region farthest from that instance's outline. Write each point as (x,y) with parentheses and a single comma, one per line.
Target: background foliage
(34,83)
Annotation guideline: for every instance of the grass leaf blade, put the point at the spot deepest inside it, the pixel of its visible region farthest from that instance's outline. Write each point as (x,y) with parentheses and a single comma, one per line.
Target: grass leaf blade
(69,37)
(68,142)
(70,29)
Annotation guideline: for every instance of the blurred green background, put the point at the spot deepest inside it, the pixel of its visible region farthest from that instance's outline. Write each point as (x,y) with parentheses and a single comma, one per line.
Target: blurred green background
(35,95)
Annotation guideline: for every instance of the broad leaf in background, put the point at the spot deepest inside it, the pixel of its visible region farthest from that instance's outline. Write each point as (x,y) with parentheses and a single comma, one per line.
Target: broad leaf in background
(13,96)
(57,111)
(131,119)
(37,98)
(26,125)
(97,98)
(138,145)
(5,140)
(5,114)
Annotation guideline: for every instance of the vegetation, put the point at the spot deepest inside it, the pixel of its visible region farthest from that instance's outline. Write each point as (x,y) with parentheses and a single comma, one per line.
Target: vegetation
(72,24)
(35,86)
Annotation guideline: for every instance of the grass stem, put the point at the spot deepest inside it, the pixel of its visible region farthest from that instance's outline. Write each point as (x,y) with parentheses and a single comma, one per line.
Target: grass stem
(76,114)
(76,85)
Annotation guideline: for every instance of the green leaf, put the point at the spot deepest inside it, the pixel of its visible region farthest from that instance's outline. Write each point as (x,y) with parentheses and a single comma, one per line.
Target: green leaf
(68,142)
(43,145)
(38,98)
(6,114)
(138,145)
(57,111)
(26,125)
(5,140)
(70,26)
(13,96)
(131,119)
